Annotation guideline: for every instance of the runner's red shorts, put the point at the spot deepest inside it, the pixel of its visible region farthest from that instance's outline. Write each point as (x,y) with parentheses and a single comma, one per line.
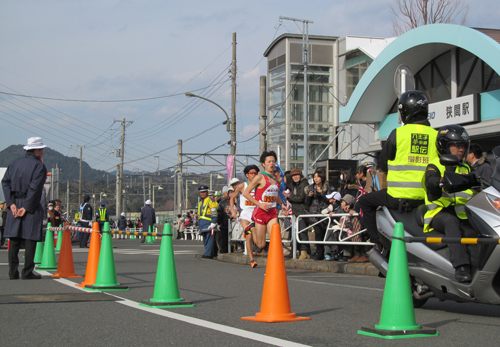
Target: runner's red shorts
(260,216)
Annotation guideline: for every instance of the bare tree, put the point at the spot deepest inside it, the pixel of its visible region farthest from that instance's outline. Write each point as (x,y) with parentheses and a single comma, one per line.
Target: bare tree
(410,14)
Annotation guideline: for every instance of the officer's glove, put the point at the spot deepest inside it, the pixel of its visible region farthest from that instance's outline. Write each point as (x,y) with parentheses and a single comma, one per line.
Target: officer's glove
(212,226)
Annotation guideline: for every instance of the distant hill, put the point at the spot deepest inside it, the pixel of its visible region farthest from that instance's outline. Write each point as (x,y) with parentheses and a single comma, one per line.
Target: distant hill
(70,167)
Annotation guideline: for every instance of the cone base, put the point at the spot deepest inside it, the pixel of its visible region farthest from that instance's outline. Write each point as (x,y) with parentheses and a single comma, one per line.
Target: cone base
(274,318)
(74,275)
(149,303)
(83,284)
(397,334)
(49,268)
(106,288)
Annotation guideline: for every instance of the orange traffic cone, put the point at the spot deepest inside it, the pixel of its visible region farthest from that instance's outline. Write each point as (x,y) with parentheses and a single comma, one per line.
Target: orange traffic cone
(275,304)
(65,266)
(93,258)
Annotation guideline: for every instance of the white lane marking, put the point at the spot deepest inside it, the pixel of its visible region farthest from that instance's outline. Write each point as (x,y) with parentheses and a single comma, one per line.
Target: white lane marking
(337,285)
(190,320)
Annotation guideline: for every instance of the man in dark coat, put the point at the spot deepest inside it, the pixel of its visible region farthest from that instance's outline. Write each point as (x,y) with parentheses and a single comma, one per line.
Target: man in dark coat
(223,216)
(85,221)
(22,186)
(297,198)
(148,219)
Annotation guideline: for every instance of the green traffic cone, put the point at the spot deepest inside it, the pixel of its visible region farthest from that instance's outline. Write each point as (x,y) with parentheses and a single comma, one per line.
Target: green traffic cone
(397,317)
(49,254)
(166,292)
(38,253)
(150,239)
(106,274)
(59,240)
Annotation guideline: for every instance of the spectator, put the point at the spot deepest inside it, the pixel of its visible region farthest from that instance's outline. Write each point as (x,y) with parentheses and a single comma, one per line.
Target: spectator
(361,175)
(353,226)
(138,224)
(348,182)
(297,198)
(122,223)
(188,223)
(479,163)
(223,215)
(130,224)
(52,215)
(333,208)
(22,187)
(180,227)
(148,219)
(3,220)
(317,201)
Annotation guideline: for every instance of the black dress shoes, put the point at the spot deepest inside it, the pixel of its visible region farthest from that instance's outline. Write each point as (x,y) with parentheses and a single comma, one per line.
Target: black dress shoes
(207,257)
(462,274)
(32,276)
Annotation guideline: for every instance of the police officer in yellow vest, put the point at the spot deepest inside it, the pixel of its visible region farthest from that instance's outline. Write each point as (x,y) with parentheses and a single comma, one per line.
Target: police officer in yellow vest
(446,211)
(102,215)
(405,156)
(207,212)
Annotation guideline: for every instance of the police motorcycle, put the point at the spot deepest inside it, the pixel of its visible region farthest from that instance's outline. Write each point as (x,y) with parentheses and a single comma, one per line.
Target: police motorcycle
(431,272)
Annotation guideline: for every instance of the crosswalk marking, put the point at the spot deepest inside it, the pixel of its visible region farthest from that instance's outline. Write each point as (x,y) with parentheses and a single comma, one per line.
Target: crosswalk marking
(139,251)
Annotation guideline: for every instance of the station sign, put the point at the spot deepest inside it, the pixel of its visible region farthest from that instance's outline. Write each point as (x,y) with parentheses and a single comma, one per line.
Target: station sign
(462,110)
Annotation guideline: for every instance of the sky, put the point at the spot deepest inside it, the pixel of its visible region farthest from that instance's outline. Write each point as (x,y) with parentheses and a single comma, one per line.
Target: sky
(97,56)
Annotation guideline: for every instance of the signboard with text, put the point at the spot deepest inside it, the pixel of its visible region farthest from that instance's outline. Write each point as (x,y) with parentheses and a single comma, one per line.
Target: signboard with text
(461,110)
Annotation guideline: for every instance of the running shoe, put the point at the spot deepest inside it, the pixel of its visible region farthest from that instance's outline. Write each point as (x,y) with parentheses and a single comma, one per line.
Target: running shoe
(253,264)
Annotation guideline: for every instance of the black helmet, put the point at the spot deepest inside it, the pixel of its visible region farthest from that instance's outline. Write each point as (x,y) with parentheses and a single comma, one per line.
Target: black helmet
(203,189)
(413,106)
(86,198)
(452,135)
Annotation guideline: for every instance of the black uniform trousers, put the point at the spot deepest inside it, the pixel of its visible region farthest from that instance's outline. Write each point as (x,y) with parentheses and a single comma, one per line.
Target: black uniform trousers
(447,222)
(369,204)
(222,237)
(84,239)
(29,257)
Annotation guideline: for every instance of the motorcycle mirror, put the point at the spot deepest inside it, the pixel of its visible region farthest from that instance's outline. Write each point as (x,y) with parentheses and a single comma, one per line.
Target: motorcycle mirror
(449,160)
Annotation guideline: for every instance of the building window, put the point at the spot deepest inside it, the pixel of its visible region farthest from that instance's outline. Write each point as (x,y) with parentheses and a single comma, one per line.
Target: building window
(353,75)
(277,95)
(317,113)
(276,115)
(317,93)
(277,76)
(434,79)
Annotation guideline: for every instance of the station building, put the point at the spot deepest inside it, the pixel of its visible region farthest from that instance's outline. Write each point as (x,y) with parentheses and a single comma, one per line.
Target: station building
(455,66)
(352,99)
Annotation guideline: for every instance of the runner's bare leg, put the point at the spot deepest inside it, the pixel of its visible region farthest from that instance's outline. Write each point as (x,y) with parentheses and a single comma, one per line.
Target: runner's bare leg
(248,241)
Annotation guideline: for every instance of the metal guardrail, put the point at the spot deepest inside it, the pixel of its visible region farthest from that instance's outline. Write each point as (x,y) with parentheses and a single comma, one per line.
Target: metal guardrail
(331,227)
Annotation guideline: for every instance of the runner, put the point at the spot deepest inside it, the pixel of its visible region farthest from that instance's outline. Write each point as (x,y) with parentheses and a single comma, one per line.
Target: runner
(246,206)
(265,214)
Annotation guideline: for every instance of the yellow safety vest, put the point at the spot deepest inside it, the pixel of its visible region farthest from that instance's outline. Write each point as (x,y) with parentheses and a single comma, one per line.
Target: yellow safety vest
(458,200)
(203,208)
(416,148)
(77,216)
(102,214)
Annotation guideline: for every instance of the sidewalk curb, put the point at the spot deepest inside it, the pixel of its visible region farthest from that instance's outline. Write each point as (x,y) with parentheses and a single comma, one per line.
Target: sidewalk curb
(311,265)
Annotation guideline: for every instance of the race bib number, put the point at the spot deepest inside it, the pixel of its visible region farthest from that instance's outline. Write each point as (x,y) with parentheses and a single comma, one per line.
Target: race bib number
(270,199)
(248,203)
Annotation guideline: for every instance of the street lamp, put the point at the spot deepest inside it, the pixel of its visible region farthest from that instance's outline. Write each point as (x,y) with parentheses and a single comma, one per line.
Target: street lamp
(219,176)
(101,195)
(192,182)
(159,188)
(227,122)
(230,127)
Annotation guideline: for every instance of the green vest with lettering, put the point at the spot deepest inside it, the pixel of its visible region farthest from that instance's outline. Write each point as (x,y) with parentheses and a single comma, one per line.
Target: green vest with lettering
(416,148)
(458,200)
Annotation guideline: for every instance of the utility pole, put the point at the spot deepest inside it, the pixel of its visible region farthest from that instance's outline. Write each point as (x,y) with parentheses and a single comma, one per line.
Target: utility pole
(233,107)
(119,179)
(67,197)
(143,187)
(305,62)
(263,116)
(179,176)
(80,180)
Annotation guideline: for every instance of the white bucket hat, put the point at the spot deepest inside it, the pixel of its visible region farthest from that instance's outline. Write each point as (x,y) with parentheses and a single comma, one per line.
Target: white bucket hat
(148,202)
(34,143)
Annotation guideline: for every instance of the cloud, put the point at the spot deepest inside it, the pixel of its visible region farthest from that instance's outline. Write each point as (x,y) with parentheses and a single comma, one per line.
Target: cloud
(249,131)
